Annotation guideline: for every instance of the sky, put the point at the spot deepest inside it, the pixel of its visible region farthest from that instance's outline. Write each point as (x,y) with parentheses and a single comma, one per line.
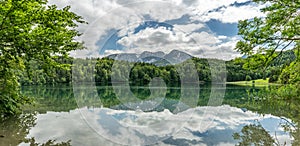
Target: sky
(202,28)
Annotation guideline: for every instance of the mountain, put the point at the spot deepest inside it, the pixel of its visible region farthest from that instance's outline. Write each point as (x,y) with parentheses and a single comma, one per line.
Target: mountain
(151,57)
(145,54)
(176,56)
(158,58)
(131,57)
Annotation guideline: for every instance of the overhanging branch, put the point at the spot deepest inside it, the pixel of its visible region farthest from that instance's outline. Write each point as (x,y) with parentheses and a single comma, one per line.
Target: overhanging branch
(286,39)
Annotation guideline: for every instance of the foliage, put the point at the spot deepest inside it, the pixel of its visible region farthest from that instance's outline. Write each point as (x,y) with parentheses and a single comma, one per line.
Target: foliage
(10,97)
(278,101)
(254,134)
(277,32)
(31,31)
(291,73)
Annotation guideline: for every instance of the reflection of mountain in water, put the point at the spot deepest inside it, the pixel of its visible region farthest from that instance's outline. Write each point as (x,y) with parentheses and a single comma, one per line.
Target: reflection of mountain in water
(158,58)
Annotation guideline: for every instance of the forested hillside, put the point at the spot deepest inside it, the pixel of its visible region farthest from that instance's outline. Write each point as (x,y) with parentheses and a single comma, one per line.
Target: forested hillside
(141,73)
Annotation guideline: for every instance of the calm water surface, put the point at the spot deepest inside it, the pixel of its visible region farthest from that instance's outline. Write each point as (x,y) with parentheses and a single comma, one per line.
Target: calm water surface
(105,115)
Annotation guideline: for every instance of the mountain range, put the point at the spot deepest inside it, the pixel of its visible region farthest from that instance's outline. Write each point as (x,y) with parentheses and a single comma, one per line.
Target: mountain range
(157,58)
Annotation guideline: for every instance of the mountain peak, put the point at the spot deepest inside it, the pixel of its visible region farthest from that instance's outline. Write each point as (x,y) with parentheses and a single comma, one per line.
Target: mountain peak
(176,56)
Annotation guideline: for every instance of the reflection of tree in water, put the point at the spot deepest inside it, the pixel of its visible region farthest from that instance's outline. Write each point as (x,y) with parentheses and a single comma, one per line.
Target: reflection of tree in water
(14,131)
(273,101)
(254,134)
(50,98)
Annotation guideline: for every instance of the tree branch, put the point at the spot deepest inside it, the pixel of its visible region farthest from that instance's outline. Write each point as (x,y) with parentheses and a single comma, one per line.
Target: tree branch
(278,54)
(287,39)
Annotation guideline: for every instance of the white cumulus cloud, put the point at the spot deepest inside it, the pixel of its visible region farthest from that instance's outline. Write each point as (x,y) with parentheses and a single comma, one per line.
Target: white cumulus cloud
(104,16)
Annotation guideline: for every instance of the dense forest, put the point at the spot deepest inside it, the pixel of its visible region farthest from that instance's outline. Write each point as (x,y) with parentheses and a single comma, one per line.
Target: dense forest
(142,73)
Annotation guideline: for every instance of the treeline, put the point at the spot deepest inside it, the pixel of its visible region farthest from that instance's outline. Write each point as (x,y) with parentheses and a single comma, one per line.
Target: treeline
(100,71)
(260,66)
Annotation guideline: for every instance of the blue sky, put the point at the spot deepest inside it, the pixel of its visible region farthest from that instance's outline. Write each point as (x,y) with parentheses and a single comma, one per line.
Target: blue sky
(202,28)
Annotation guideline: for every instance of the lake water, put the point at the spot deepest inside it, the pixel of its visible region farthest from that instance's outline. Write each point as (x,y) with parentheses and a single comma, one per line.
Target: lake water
(120,115)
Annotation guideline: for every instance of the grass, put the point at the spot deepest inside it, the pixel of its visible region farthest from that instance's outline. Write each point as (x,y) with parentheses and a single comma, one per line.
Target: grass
(258,82)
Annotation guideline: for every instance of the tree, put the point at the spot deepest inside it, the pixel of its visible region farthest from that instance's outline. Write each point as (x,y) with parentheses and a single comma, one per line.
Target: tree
(276,32)
(254,134)
(32,30)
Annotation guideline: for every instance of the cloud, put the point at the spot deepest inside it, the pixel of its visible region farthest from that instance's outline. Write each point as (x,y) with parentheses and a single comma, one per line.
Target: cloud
(214,125)
(226,49)
(191,27)
(233,14)
(181,37)
(124,16)
(198,43)
(222,37)
(109,52)
(151,37)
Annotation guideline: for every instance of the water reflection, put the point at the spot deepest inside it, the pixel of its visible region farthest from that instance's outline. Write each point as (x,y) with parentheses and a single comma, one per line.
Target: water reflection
(62,126)
(102,119)
(254,134)
(51,98)
(15,131)
(286,109)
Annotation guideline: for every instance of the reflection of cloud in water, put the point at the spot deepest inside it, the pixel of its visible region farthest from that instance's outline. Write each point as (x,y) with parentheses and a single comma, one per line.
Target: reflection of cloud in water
(136,127)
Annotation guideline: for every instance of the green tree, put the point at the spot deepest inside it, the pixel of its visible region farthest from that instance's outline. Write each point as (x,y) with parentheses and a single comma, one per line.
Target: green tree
(32,30)
(276,32)
(254,134)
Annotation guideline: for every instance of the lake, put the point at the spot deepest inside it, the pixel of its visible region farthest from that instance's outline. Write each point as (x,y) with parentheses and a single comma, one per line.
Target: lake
(123,115)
